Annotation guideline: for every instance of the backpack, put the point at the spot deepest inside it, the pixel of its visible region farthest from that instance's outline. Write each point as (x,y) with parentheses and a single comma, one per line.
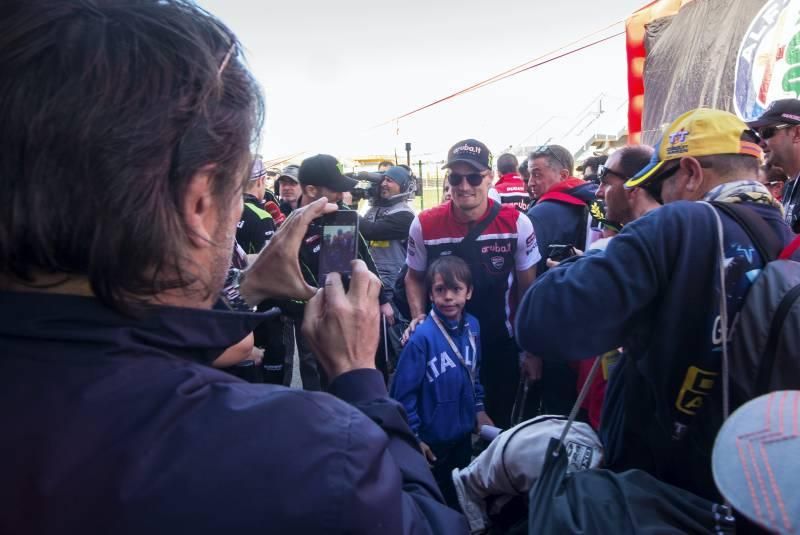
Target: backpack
(765,339)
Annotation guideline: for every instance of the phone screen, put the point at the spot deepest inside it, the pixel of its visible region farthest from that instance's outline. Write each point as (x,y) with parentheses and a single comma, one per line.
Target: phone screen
(339,243)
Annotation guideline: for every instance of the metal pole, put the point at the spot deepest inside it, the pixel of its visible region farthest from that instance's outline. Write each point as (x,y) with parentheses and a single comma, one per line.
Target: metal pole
(408,155)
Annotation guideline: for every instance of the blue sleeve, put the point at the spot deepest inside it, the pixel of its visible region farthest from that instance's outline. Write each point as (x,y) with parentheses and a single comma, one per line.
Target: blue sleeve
(478,386)
(408,380)
(586,307)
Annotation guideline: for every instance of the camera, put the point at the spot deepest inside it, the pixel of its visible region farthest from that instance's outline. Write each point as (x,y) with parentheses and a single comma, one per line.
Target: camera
(368,187)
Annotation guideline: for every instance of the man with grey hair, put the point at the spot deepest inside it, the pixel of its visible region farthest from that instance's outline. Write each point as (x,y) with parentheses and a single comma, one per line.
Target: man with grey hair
(560,217)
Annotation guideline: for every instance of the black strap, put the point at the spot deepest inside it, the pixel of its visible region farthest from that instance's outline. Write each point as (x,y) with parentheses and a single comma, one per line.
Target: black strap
(771,349)
(765,239)
(479,227)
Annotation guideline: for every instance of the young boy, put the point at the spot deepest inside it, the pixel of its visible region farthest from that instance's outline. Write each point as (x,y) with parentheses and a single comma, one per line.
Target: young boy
(437,374)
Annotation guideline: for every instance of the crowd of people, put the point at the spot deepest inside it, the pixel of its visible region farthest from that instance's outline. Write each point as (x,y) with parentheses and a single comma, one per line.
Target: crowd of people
(158,280)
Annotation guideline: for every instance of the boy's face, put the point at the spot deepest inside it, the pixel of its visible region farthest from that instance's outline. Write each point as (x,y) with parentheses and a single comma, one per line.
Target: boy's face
(449,301)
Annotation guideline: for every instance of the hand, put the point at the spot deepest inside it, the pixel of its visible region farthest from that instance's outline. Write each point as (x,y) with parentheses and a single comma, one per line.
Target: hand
(531,367)
(411,328)
(275,273)
(553,263)
(343,328)
(482,419)
(427,452)
(257,355)
(388,312)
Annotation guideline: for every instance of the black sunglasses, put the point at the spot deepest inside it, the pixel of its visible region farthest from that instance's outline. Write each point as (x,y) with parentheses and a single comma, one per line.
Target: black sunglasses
(474,179)
(770,131)
(603,172)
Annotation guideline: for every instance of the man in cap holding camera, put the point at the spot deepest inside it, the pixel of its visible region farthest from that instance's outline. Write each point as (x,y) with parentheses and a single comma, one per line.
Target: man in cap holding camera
(498,243)
(386,224)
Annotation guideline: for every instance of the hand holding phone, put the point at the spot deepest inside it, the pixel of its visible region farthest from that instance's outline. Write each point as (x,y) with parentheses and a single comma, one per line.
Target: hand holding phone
(339,244)
(559,252)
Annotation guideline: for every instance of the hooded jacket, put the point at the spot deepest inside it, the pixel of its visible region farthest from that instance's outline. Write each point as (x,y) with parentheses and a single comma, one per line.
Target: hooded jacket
(560,216)
(434,387)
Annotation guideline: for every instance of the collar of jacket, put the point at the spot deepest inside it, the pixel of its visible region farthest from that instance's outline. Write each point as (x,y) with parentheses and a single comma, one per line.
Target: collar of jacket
(558,192)
(200,335)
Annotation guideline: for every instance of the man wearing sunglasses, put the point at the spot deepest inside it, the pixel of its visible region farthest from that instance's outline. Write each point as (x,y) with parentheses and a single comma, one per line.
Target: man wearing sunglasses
(623,205)
(654,291)
(780,139)
(498,243)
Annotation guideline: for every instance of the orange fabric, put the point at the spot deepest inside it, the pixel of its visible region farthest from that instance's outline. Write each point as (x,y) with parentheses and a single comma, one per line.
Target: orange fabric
(635,33)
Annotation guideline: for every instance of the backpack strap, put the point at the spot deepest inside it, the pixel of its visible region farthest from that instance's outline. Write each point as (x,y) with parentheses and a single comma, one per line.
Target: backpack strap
(479,227)
(764,239)
(790,249)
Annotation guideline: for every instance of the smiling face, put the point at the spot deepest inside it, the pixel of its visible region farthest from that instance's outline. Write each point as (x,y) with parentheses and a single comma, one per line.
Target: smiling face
(466,197)
(389,188)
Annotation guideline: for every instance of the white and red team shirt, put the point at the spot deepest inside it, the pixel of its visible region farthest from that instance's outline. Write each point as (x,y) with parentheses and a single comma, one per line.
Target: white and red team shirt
(507,245)
(513,191)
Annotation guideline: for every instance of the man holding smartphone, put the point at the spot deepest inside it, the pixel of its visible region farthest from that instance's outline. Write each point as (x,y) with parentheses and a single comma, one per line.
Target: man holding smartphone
(499,245)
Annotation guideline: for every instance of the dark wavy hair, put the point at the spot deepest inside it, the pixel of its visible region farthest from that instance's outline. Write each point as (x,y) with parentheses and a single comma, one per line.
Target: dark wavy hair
(108,109)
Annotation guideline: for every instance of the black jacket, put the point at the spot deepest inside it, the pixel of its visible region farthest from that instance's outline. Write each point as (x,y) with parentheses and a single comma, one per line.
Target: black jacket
(113,424)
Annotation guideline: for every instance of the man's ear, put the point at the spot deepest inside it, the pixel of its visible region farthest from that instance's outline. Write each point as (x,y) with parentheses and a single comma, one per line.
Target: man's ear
(693,183)
(564,174)
(309,191)
(795,134)
(200,212)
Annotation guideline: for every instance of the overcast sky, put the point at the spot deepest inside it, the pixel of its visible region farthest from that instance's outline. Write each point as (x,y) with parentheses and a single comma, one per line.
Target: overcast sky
(331,71)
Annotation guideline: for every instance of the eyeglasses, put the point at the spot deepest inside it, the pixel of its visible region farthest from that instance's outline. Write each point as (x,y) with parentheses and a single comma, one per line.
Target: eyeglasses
(546,150)
(769,131)
(603,172)
(474,179)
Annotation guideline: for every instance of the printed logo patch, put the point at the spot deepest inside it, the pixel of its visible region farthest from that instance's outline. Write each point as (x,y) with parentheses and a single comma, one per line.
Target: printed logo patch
(498,262)
(580,456)
(768,64)
(697,385)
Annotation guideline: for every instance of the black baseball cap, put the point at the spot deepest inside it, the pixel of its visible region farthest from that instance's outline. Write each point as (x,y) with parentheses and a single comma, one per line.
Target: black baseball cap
(323,170)
(472,152)
(783,111)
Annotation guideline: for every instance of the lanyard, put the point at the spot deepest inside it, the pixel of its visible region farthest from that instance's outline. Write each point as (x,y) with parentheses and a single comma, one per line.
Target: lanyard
(453,345)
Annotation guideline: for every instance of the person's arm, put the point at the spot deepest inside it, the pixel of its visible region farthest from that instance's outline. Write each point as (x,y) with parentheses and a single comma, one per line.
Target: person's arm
(391,227)
(417,261)
(604,291)
(408,381)
(236,353)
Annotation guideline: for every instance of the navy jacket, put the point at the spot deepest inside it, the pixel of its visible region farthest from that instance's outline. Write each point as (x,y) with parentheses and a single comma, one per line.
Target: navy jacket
(434,387)
(115,425)
(556,222)
(653,291)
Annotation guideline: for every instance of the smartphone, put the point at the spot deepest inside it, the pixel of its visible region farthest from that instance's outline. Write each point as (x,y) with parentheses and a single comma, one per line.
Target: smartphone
(558,252)
(339,244)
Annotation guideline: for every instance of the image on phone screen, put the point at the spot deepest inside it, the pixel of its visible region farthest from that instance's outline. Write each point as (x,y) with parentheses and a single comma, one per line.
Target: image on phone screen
(339,246)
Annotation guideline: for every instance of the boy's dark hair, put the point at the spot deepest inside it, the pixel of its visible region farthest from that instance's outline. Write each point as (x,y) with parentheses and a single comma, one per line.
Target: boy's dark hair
(523,171)
(452,269)
(110,108)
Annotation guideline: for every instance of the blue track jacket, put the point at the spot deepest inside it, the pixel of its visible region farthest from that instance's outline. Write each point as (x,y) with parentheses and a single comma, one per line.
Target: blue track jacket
(434,387)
